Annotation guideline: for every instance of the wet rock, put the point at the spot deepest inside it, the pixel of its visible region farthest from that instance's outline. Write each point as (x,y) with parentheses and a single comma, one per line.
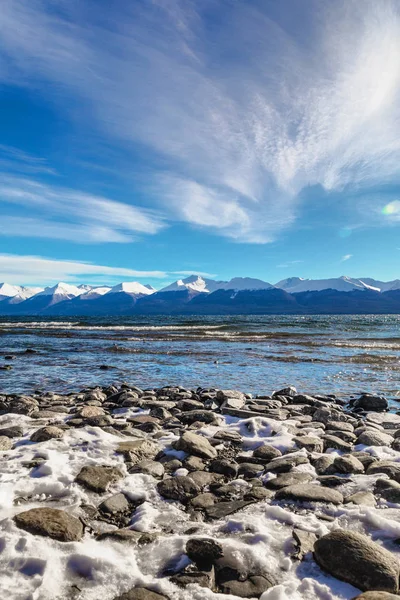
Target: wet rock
(370,402)
(286,479)
(348,464)
(266,452)
(98,478)
(287,391)
(223,509)
(50,522)
(141,593)
(389,468)
(5,443)
(370,437)
(354,558)
(230,582)
(118,503)
(361,499)
(178,488)
(195,444)
(47,433)
(192,576)
(305,492)
(304,543)
(312,444)
(121,535)
(203,551)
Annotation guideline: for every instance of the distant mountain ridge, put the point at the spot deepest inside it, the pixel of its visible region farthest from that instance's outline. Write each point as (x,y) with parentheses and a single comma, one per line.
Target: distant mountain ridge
(198,295)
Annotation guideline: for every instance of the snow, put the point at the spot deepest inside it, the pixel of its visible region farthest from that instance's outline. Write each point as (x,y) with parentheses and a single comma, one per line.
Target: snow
(94,293)
(62,289)
(199,284)
(294,285)
(8,291)
(132,287)
(25,293)
(245,283)
(259,537)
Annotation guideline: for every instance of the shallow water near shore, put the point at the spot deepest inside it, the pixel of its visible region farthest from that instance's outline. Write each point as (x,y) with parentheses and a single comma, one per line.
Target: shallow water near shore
(326,354)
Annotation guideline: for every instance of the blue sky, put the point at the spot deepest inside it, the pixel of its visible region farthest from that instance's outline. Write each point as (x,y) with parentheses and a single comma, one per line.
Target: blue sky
(152,139)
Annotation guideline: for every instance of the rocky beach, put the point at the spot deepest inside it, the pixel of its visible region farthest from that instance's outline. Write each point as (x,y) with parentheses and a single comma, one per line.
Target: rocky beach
(121,493)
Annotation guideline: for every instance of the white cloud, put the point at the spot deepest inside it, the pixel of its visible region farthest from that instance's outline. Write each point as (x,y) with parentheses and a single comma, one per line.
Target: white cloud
(84,218)
(346,257)
(244,115)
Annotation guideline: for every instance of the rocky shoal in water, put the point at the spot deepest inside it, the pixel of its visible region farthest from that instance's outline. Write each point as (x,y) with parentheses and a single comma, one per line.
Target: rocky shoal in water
(213,454)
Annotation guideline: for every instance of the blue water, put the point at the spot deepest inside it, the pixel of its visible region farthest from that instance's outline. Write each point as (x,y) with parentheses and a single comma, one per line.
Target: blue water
(325,354)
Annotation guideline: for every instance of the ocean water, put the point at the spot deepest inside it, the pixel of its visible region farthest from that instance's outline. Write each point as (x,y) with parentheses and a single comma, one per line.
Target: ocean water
(345,355)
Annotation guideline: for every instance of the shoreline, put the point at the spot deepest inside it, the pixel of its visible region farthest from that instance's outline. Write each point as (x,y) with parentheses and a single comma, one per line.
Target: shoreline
(198,494)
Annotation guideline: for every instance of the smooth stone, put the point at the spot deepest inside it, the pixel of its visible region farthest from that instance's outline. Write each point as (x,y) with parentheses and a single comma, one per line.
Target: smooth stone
(388,489)
(286,479)
(389,468)
(252,587)
(354,558)
(229,436)
(312,444)
(115,504)
(50,522)
(285,463)
(203,500)
(90,411)
(305,492)
(47,433)
(340,426)
(250,470)
(203,478)
(121,535)
(223,509)
(98,478)
(361,499)
(370,402)
(195,444)
(224,467)
(11,432)
(203,551)
(204,416)
(370,437)
(149,467)
(348,464)
(266,452)
(194,463)
(324,465)
(178,488)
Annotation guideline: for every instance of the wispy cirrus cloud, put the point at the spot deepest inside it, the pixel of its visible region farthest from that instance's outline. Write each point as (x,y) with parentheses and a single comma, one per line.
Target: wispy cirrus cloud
(346,257)
(41,270)
(238,134)
(61,213)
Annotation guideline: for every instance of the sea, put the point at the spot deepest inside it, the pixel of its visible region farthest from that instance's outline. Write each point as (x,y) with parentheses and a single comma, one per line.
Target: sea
(342,355)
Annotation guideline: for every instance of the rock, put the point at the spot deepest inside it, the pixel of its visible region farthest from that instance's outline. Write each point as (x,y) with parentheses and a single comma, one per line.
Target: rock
(324,465)
(224,467)
(115,504)
(178,488)
(148,467)
(250,470)
(304,543)
(223,509)
(348,464)
(234,402)
(141,593)
(196,444)
(203,478)
(204,416)
(203,500)
(377,596)
(194,463)
(286,479)
(47,433)
(224,395)
(90,411)
(371,437)
(50,522)
(287,391)
(23,405)
(285,463)
(11,432)
(5,443)
(389,468)
(121,535)
(203,551)
(228,436)
(332,441)
(189,577)
(361,499)
(332,480)
(135,451)
(354,558)
(326,415)
(252,587)
(266,452)
(98,478)
(312,444)
(305,492)
(370,402)
(388,489)
(340,426)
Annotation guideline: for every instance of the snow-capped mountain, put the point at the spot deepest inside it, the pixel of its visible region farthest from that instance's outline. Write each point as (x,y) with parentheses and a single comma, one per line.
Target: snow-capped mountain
(132,287)
(244,283)
(295,285)
(94,293)
(198,284)
(9,291)
(24,294)
(62,291)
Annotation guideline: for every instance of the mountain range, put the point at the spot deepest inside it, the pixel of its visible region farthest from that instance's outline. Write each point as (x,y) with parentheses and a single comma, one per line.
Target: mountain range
(199,295)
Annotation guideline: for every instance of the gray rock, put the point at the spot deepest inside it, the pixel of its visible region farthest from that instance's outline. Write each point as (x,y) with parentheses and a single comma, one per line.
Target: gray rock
(194,463)
(361,499)
(121,535)
(115,504)
(354,558)
(250,470)
(377,596)
(266,452)
(5,443)
(388,489)
(47,433)
(332,441)
(203,478)
(137,450)
(370,402)
(305,492)
(11,432)
(190,576)
(224,395)
(389,468)
(324,465)
(98,478)
(252,587)
(287,391)
(224,467)
(204,416)
(374,438)
(340,426)
(304,543)
(285,463)
(348,464)
(203,500)
(141,593)
(50,522)
(203,551)
(178,488)
(228,436)
(312,444)
(196,444)
(286,479)
(223,509)
(149,467)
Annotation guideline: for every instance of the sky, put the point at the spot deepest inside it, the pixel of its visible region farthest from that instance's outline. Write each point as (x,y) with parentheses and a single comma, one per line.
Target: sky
(151,139)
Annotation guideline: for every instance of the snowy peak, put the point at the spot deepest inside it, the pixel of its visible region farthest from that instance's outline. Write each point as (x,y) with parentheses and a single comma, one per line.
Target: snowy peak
(9,291)
(245,283)
(133,288)
(62,289)
(294,285)
(194,283)
(24,294)
(94,293)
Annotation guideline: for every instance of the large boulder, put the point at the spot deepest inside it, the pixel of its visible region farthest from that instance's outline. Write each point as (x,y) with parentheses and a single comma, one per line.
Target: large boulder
(354,558)
(370,402)
(50,522)
(371,437)
(192,443)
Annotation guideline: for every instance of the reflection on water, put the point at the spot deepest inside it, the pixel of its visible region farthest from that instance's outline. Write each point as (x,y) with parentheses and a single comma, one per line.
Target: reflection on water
(327,354)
